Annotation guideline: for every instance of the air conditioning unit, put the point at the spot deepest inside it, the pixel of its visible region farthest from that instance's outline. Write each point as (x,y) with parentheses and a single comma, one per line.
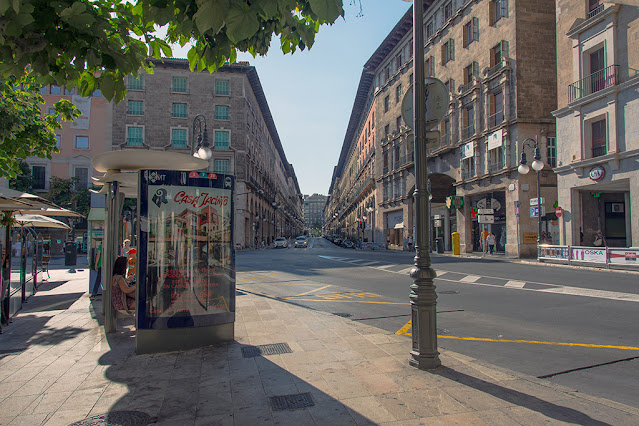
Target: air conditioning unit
(617,207)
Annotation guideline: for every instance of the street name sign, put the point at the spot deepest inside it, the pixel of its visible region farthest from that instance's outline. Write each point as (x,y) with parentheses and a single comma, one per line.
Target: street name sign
(486,218)
(535,201)
(485,211)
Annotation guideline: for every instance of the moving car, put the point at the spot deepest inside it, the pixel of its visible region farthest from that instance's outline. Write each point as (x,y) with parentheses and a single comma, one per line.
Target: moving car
(280,242)
(301,241)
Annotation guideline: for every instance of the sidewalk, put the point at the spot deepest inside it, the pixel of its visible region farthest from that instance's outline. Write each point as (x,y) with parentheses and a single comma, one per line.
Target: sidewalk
(57,367)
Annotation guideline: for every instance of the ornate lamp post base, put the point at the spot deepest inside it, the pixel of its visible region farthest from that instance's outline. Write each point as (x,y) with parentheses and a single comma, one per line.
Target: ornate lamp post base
(423,304)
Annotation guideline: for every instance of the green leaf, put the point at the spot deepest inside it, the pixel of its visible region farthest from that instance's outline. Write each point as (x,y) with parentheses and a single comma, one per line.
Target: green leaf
(16,6)
(4,5)
(327,10)
(241,23)
(107,86)
(268,8)
(82,20)
(209,17)
(23,19)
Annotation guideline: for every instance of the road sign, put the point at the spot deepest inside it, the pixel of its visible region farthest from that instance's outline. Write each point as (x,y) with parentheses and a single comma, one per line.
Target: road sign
(486,218)
(485,211)
(559,211)
(534,201)
(534,211)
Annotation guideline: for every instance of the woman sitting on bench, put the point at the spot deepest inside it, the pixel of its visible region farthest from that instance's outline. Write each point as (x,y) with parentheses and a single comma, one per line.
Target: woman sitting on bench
(122,295)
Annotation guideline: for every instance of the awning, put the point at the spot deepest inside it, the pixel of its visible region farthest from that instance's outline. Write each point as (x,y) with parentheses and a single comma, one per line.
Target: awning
(96,213)
(399,226)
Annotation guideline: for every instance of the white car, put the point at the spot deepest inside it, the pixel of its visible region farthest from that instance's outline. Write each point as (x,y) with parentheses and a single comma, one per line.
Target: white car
(280,242)
(301,241)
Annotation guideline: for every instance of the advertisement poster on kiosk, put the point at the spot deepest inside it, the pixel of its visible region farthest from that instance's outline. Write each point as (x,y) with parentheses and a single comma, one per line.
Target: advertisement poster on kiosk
(187,271)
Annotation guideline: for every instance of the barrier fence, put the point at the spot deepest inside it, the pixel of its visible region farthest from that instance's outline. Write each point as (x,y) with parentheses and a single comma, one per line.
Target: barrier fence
(616,256)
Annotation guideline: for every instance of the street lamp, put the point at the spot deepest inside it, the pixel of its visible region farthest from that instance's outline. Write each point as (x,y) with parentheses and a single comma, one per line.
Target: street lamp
(423,299)
(537,165)
(202,149)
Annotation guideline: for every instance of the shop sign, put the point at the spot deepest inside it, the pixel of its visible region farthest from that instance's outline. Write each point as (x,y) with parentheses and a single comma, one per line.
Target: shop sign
(530,237)
(623,256)
(597,173)
(581,254)
(454,202)
(495,140)
(554,252)
(468,150)
(186,254)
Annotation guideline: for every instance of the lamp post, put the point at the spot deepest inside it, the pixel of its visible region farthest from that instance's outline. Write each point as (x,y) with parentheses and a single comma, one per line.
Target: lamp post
(423,299)
(202,150)
(537,165)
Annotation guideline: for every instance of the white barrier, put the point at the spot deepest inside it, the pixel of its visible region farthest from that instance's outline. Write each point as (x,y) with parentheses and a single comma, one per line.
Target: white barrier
(616,256)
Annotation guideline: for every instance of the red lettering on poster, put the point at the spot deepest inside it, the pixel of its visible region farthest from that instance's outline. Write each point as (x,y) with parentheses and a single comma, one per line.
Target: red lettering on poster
(202,200)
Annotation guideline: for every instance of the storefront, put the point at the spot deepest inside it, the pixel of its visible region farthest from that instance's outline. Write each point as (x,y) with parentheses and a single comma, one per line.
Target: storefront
(395,229)
(495,223)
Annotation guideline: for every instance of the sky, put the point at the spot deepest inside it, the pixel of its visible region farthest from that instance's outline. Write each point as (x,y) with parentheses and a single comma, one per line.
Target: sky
(311,93)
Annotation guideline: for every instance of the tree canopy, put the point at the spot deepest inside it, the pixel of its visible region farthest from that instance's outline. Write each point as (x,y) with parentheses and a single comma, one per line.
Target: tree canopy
(92,44)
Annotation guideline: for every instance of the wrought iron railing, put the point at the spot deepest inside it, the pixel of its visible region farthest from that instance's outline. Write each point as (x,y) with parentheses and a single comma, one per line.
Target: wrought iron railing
(495,166)
(600,80)
(598,150)
(466,87)
(596,11)
(468,132)
(495,68)
(495,119)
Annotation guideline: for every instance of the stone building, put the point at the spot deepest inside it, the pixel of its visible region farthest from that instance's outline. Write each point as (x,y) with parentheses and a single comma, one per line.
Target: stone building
(497,58)
(314,212)
(159,112)
(598,157)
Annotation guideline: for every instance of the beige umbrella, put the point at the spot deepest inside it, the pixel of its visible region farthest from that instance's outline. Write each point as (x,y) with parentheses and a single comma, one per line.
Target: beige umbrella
(50,211)
(39,221)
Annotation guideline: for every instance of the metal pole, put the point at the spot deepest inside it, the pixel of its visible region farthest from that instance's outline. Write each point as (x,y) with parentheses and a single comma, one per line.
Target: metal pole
(539,207)
(424,354)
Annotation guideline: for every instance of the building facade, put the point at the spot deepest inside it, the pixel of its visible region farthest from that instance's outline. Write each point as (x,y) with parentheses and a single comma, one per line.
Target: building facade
(497,59)
(598,106)
(160,110)
(314,212)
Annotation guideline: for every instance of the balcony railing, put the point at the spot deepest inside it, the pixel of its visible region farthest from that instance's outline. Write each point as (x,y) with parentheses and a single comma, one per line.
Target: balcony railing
(495,119)
(596,11)
(495,166)
(495,68)
(598,150)
(600,80)
(468,132)
(466,87)
(467,174)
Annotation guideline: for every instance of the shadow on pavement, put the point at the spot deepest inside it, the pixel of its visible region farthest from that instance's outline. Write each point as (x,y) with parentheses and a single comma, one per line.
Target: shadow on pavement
(50,302)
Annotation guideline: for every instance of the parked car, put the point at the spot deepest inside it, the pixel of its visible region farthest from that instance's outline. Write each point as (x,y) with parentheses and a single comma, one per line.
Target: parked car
(301,241)
(348,244)
(280,242)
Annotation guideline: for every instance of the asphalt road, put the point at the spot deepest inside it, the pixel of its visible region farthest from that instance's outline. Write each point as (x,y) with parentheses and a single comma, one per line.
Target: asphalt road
(578,326)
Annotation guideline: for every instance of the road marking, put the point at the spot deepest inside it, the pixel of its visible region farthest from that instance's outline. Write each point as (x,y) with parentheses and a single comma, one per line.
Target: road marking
(406,271)
(469,279)
(408,326)
(280,283)
(515,284)
(600,294)
(254,278)
(349,301)
(368,263)
(308,292)
(383,267)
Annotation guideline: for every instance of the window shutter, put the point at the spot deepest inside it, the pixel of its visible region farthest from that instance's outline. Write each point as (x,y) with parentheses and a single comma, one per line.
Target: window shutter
(476,29)
(475,68)
(451,46)
(432,66)
(444,46)
(504,8)
(491,13)
(492,104)
(504,49)
(465,35)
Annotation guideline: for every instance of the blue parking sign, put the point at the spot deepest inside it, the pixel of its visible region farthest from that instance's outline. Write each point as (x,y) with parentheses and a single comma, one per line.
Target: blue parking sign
(534,211)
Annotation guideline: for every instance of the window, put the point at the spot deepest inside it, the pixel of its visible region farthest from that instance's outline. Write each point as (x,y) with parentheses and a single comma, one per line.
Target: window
(69,92)
(469,73)
(97,93)
(221,140)
(55,89)
(398,93)
(82,177)
(178,138)
(496,159)
(38,173)
(221,112)
(221,166)
(136,108)
(51,111)
(598,138)
(57,141)
(222,87)
(81,142)
(134,136)
(429,66)
(450,85)
(179,84)
(597,77)
(468,117)
(386,130)
(386,104)
(179,110)
(497,9)
(471,31)
(448,11)
(444,128)
(551,151)
(496,116)
(43,90)
(468,168)
(448,51)
(398,123)
(498,52)
(430,30)
(135,83)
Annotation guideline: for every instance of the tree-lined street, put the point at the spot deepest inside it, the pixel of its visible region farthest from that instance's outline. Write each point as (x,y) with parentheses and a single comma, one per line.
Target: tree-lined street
(575,326)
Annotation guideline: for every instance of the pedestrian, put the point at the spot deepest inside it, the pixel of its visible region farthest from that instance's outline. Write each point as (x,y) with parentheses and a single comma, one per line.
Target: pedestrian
(490,240)
(600,240)
(122,295)
(98,267)
(126,245)
(410,242)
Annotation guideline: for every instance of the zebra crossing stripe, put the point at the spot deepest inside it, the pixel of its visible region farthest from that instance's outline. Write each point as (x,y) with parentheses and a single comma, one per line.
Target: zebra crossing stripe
(470,279)
(515,284)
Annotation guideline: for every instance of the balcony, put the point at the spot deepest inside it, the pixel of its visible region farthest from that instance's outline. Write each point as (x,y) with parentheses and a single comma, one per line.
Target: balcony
(467,174)
(598,150)
(497,166)
(495,119)
(600,80)
(466,87)
(494,69)
(468,132)
(596,11)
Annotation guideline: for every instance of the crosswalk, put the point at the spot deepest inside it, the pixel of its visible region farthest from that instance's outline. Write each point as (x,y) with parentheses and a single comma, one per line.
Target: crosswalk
(472,279)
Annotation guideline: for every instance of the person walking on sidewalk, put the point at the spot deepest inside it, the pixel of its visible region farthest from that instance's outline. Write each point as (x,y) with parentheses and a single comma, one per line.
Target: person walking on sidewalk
(98,267)
(490,240)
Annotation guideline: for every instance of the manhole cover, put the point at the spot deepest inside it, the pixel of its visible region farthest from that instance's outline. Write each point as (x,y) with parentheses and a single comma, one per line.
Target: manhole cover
(448,292)
(272,349)
(292,402)
(117,418)
(342,314)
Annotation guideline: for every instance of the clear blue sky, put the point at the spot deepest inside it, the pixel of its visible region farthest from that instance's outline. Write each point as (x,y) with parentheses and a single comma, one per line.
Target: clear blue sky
(311,93)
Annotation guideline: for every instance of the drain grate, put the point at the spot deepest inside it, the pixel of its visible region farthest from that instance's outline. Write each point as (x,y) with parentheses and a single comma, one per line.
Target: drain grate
(342,314)
(261,350)
(117,418)
(292,402)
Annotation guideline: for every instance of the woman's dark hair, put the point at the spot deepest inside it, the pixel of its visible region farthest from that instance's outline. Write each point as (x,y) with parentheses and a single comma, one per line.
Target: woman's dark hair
(119,267)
